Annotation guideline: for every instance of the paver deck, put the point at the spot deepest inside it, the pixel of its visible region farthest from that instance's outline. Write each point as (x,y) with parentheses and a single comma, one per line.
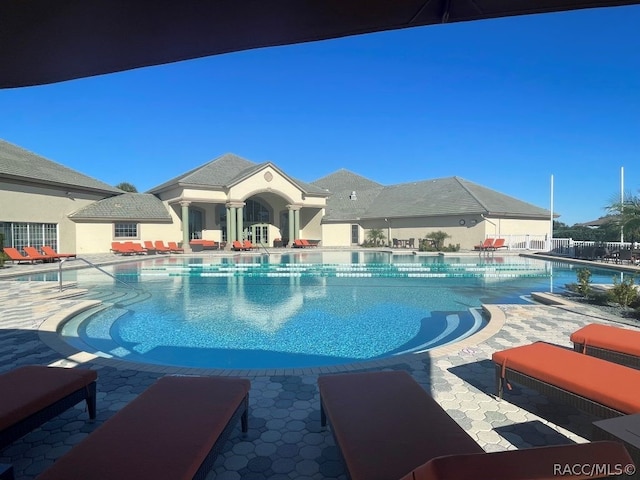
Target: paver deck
(285,439)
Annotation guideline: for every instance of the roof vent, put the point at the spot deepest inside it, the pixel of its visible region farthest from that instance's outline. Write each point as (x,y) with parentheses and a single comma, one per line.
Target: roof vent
(353,196)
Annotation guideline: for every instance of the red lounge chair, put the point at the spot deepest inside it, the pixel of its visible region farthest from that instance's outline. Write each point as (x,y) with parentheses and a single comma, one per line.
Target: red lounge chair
(488,243)
(34,253)
(34,394)
(161,247)
(15,256)
(121,249)
(198,244)
(615,344)
(297,243)
(47,250)
(499,243)
(599,387)
(388,427)
(172,430)
(148,245)
(247,245)
(173,246)
(136,247)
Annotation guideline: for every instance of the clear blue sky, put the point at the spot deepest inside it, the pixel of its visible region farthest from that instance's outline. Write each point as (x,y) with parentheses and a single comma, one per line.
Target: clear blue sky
(504,103)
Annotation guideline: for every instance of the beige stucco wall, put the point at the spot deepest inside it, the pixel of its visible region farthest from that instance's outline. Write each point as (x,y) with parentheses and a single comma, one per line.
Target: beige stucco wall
(96,237)
(310,226)
(25,203)
(338,234)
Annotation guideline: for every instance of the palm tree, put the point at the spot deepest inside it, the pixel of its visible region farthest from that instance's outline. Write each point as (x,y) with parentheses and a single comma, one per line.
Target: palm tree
(376,236)
(627,216)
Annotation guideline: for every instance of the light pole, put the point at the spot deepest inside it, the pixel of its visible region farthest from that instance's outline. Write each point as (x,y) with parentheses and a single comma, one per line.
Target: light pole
(388,231)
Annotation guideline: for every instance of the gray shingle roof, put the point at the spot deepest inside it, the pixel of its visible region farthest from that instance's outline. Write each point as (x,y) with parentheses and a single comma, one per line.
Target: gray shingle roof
(445,196)
(128,206)
(225,171)
(20,164)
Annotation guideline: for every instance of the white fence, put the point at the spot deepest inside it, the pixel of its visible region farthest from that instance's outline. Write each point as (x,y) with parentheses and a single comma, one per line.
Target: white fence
(561,246)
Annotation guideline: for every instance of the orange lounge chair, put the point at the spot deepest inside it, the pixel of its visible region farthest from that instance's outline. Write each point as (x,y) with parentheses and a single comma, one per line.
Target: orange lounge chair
(237,246)
(172,430)
(121,248)
(247,245)
(148,245)
(136,247)
(173,246)
(498,243)
(34,394)
(297,243)
(47,250)
(198,245)
(161,247)
(488,243)
(15,256)
(615,344)
(388,427)
(34,253)
(591,384)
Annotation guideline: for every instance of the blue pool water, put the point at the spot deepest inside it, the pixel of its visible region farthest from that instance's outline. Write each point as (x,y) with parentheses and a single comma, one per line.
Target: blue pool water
(298,310)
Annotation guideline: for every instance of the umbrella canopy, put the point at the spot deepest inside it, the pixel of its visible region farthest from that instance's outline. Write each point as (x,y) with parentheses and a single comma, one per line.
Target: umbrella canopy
(44,41)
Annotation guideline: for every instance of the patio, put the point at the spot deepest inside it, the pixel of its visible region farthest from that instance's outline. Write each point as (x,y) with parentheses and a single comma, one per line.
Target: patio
(285,439)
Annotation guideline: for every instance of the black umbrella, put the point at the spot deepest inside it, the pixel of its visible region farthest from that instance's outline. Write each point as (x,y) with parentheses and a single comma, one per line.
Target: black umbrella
(44,41)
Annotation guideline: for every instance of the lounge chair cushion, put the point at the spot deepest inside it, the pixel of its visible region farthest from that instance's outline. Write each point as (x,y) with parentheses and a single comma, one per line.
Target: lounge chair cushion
(35,387)
(604,382)
(386,424)
(527,464)
(166,432)
(608,337)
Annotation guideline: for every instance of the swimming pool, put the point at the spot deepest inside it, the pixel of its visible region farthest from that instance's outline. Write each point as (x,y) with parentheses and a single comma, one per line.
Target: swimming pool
(298,310)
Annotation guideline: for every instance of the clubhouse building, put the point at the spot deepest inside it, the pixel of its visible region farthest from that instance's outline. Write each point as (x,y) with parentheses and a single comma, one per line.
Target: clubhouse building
(231,198)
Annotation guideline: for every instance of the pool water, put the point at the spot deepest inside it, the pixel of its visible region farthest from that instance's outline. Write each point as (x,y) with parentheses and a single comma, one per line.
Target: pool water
(298,310)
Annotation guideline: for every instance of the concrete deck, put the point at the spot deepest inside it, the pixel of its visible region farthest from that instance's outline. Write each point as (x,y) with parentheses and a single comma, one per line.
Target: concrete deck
(285,440)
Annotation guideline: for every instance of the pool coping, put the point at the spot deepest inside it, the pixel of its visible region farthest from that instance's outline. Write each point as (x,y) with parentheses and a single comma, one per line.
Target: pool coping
(48,333)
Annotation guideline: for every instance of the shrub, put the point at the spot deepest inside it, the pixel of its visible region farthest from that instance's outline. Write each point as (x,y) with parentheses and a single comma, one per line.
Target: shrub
(583,287)
(437,239)
(623,292)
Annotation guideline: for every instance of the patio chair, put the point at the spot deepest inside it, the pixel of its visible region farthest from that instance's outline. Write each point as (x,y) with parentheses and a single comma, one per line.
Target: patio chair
(136,247)
(15,256)
(596,386)
(247,245)
(47,250)
(615,344)
(498,243)
(34,394)
(237,246)
(297,243)
(387,427)
(173,246)
(484,245)
(625,255)
(34,253)
(173,430)
(121,249)
(150,247)
(161,247)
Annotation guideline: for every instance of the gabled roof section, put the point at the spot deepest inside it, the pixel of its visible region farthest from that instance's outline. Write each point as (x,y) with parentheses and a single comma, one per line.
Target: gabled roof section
(126,207)
(219,172)
(496,203)
(305,187)
(343,180)
(437,197)
(19,164)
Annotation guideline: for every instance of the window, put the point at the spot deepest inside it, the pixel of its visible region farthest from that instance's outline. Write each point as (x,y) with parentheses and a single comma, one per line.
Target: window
(125,230)
(22,234)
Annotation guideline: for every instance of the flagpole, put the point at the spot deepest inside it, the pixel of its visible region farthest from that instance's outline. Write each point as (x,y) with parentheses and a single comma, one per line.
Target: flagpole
(621,204)
(551,217)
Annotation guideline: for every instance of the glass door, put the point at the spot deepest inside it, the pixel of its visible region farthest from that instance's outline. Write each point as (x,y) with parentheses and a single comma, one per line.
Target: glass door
(260,234)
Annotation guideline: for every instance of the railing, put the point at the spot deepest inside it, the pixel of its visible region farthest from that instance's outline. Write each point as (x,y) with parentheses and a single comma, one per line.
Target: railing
(525,242)
(62,260)
(265,249)
(569,246)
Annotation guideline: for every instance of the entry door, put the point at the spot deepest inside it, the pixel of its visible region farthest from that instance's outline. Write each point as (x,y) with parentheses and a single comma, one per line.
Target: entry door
(260,234)
(355,235)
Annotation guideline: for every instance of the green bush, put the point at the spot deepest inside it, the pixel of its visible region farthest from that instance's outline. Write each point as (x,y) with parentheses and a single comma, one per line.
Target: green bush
(623,292)
(435,241)
(583,287)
